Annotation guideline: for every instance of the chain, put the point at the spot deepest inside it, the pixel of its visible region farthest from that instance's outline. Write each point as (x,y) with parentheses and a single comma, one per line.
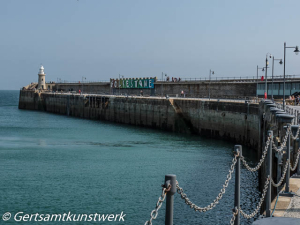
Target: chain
(154,212)
(249,216)
(284,140)
(261,160)
(236,211)
(297,134)
(283,176)
(279,150)
(217,199)
(296,162)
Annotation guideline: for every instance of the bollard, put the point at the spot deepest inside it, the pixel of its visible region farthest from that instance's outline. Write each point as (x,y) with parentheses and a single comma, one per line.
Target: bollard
(288,156)
(237,191)
(170,179)
(279,165)
(269,173)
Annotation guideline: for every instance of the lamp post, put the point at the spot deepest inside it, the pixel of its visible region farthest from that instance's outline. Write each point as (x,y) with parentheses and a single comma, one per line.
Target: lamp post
(257,80)
(266,80)
(120,82)
(210,73)
(162,79)
(296,52)
(280,62)
(82,84)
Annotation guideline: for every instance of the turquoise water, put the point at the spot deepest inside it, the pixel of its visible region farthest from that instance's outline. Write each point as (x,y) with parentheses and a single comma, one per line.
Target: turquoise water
(55,164)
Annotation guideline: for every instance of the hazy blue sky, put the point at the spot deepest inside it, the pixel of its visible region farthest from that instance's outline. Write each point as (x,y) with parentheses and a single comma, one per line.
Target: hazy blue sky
(100,39)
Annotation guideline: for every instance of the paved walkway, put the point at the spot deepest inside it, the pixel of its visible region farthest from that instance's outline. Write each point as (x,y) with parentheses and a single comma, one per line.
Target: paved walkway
(277,221)
(287,211)
(287,206)
(293,209)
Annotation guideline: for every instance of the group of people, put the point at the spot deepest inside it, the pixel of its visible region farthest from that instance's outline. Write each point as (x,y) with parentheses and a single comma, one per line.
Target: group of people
(295,98)
(174,79)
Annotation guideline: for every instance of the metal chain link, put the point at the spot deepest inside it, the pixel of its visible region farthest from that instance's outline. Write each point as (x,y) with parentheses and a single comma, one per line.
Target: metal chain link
(296,162)
(249,216)
(217,199)
(284,141)
(283,175)
(234,214)
(297,134)
(260,161)
(154,212)
(279,150)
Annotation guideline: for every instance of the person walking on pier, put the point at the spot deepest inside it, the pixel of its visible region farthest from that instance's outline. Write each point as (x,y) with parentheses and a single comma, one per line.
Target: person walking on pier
(142,93)
(182,93)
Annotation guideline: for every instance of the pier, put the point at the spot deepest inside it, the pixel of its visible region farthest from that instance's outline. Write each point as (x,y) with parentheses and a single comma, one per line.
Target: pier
(262,126)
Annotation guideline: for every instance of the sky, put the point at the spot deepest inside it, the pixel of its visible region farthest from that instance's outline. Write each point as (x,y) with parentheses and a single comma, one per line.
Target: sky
(100,39)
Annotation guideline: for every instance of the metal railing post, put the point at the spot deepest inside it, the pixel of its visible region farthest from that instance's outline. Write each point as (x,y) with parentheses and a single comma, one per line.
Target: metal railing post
(279,165)
(237,191)
(170,179)
(269,173)
(288,151)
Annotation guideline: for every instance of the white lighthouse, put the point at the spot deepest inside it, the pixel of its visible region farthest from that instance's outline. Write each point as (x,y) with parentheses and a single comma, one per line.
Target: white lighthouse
(41,83)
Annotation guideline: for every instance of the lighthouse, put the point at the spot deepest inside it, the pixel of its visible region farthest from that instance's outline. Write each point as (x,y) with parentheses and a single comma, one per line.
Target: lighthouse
(41,83)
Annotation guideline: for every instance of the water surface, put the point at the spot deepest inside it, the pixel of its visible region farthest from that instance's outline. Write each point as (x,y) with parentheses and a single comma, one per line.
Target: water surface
(55,164)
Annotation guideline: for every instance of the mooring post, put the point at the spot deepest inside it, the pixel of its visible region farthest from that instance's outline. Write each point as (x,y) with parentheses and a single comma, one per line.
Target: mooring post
(269,173)
(237,192)
(170,179)
(288,157)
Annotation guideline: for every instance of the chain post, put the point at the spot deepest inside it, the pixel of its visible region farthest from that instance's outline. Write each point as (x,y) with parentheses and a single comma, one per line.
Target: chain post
(288,157)
(170,181)
(279,165)
(237,192)
(269,173)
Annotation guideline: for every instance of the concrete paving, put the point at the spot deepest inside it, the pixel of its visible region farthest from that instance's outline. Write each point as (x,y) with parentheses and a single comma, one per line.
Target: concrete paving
(293,209)
(287,209)
(287,206)
(277,221)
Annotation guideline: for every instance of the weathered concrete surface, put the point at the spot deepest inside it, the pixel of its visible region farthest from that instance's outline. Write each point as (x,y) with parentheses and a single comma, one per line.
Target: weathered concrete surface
(234,121)
(201,89)
(277,221)
(287,206)
(293,209)
(99,88)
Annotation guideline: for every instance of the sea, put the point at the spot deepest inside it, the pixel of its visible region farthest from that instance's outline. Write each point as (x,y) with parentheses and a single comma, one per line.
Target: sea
(54,164)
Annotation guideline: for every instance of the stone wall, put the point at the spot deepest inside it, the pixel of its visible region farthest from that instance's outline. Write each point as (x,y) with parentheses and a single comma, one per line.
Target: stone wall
(237,122)
(201,89)
(191,89)
(97,88)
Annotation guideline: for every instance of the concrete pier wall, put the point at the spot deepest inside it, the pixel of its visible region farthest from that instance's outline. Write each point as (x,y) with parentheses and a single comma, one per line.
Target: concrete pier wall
(190,88)
(237,122)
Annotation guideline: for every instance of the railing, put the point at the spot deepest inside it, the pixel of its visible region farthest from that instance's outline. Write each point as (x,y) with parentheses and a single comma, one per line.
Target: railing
(80,82)
(230,79)
(291,110)
(171,185)
(227,98)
